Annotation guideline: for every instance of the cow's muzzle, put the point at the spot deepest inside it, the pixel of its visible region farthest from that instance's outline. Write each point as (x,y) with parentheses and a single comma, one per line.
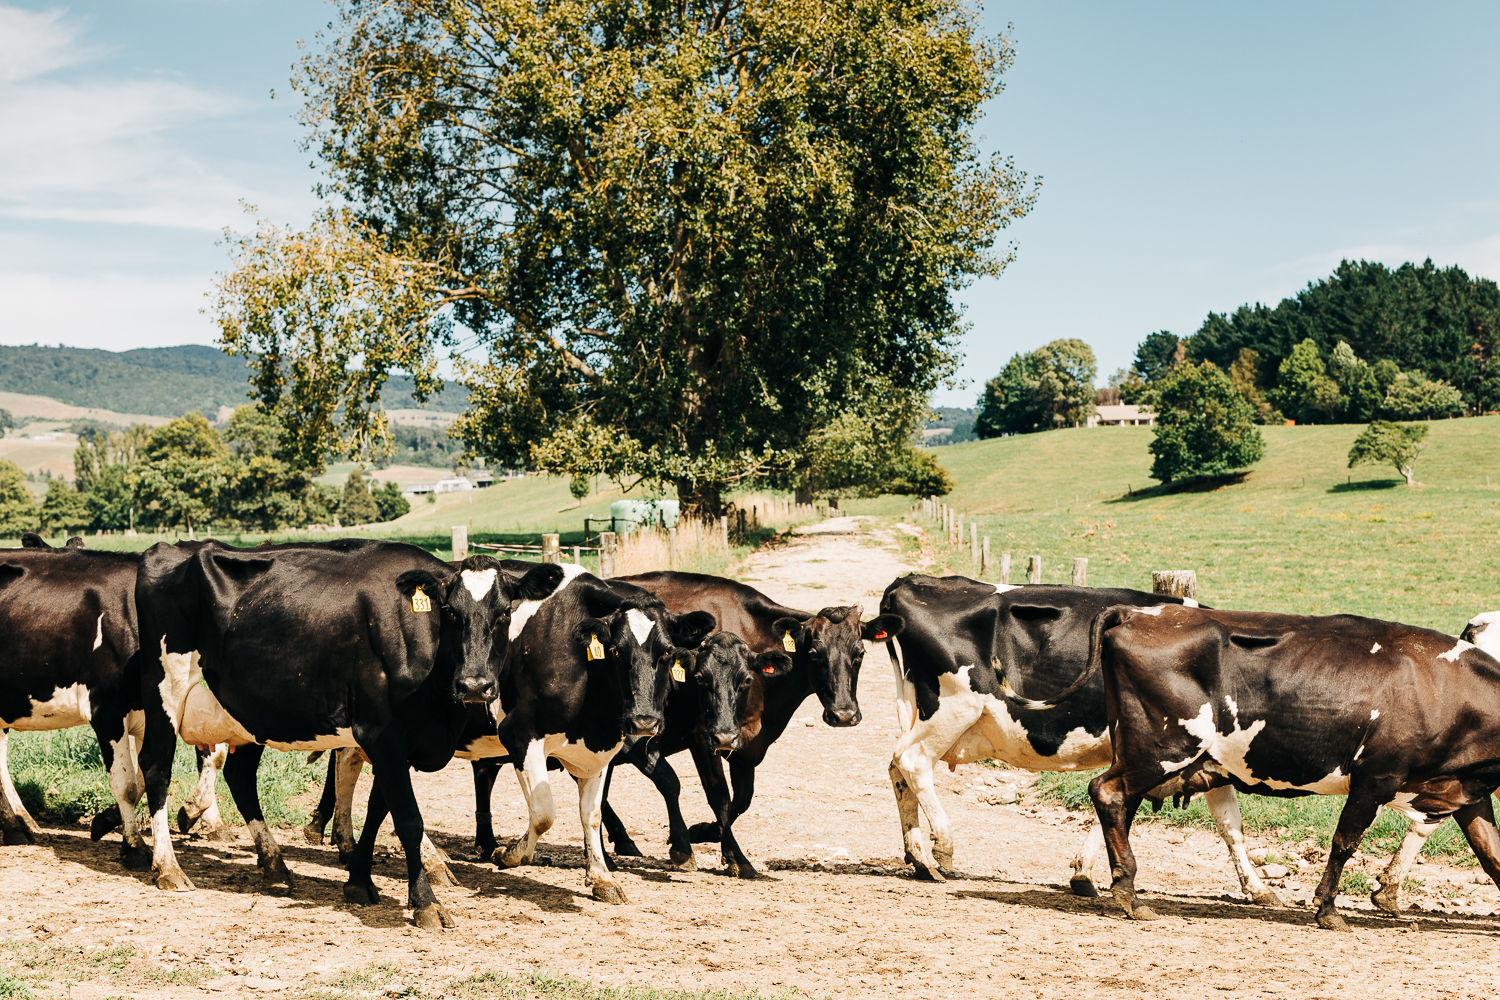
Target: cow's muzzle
(644,725)
(724,744)
(841,718)
(474,690)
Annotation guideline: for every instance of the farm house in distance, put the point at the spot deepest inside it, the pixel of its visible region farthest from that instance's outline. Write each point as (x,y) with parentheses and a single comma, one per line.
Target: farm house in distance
(456,484)
(1122,415)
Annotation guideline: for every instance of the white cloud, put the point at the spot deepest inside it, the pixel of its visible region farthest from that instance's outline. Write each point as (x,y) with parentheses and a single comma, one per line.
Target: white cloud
(111,151)
(113,310)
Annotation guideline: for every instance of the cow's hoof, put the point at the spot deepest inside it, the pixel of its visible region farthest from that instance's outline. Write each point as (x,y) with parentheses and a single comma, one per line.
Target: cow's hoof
(684,861)
(277,876)
(361,894)
(1386,899)
(440,875)
(627,849)
(1266,898)
(610,892)
(910,858)
(313,835)
(185,822)
(1331,921)
(745,870)
(175,880)
(1082,885)
(513,857)
(135,859)
(18,837)
(104,822)
(944,859)
(1144,913)
(432,917)
(704,833)
(926,874)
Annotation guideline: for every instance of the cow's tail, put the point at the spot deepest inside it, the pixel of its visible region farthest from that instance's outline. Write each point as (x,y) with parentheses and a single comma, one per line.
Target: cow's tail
(905,711)
(1105,620)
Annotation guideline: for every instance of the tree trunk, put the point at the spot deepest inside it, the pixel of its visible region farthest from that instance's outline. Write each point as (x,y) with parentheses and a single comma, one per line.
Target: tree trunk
(700,501)
(804,495)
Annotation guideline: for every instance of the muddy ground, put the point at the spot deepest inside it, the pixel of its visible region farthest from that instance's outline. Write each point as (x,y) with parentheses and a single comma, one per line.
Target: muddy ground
(835,914)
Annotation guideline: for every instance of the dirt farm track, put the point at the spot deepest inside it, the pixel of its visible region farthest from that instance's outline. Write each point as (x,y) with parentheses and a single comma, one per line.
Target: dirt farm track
(836,913)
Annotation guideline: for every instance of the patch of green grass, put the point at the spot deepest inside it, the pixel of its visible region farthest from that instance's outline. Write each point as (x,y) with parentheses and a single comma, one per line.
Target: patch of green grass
(1355,884)
(1411,884)
(26,967)
(60,774)
(1290,820)
(539,984)
(14,986)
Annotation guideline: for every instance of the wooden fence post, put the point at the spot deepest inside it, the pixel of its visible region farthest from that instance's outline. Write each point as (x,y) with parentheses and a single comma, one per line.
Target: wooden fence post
(724,529)
(1080,572)
(606,554)
(672,548)
(577,556)
(551,550)
(1033,569)
(1175,583)
(460,542)
(974,542)
(1005,568)
(984,557)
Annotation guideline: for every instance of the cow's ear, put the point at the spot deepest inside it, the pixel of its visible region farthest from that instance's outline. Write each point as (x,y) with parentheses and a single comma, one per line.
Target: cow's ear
(680,662)
(31,540)
(592,636)
(240,568)
(788,633)
(882,627)
(435,590)
(540,581)
(771,663)
(692,628)
(76,542)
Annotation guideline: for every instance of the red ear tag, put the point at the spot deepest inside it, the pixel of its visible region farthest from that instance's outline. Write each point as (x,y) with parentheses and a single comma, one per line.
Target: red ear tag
(768,670)
(879,634)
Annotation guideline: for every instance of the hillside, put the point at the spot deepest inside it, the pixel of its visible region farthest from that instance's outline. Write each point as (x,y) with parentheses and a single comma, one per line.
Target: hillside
(162,381)
(1301,534)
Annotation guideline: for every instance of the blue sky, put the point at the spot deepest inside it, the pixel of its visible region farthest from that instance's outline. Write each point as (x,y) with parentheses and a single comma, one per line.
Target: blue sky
(1194,157)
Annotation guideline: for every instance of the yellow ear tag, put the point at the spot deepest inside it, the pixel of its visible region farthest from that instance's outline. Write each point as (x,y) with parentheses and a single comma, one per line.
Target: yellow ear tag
(596,648)
(678,674)
(788,643)
(420,602)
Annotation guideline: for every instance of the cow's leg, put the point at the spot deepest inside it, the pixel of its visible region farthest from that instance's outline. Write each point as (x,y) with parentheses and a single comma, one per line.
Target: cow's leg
(156,752)
(347,764)
(742,779)
(360,889)
(485,773)
(679,838)
(117,747)
(1388,896)
(15,822)
(1115,805)
(716,788)
(239,775)
(1365,799)
(202,807)
(912,762)
(1477,821)
(435,863)
(388,759)
(317,823)
(1082,883)
(590,796)
(619,838)
(1226,812)
(536,787)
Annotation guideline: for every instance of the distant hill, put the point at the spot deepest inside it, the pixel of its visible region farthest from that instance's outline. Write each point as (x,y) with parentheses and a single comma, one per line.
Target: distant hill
(165,381)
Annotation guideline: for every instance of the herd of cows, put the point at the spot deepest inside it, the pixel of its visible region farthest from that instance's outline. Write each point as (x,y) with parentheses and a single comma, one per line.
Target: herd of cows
(382,653)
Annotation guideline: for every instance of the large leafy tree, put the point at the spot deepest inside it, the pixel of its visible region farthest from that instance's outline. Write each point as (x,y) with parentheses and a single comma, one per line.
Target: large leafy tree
(1388,443)
(18,511)
(1050,387)
(690,235)
(1203,426)
(185,472)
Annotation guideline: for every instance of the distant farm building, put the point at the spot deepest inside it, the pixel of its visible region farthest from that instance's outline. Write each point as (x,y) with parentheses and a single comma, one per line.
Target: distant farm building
(1122,415)
(457,484)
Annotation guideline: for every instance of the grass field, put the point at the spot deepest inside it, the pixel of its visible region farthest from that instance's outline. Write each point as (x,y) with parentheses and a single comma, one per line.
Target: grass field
(1301,533)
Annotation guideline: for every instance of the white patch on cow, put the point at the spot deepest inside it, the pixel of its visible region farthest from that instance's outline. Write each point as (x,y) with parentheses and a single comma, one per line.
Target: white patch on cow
(482,748)
(1374,714)
(1486,633)
(69,706)
(523,611)
(1229,750)
(990,730)
(1402,804)
(1001,588)
(99,632)
(1153,610)
(1234,709)
(478,581)
(342,737)
(1375,648)
(1359,751)
(195,713)
(640,625)
(1188,602)
(1453,654)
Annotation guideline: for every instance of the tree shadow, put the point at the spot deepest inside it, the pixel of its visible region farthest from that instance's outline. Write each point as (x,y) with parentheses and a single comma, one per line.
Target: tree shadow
(1192,484)
(1368,484)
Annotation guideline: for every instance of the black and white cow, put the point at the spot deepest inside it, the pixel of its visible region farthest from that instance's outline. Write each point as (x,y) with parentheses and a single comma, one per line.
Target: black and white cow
(354,643)
(69,622)
(967,650)
(1288,705)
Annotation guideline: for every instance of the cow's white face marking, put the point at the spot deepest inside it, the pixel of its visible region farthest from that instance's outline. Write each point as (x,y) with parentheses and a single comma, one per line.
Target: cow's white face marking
(1486,632)
(68,707)
(1229,750)
(640,625)
(1453,654)
(1188,602)
(478,581)
(99,632)
(1153,610)
(522,612)
(1374,714)
(1375,648)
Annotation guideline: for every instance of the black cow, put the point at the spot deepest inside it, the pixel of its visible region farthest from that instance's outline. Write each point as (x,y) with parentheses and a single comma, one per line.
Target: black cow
(968,647)
(826,652)
(1387,714)
(69,621)
(351,643)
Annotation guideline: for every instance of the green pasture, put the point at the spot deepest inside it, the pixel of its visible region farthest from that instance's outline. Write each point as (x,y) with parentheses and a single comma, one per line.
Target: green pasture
(1300,533)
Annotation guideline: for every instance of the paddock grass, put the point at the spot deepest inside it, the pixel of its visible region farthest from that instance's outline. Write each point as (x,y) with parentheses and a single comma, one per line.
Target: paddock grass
(60,776)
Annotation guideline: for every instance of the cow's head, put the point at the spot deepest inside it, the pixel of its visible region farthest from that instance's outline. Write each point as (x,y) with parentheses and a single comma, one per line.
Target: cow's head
(830,646)
(1484,632)
(718,679)
(638,645)
(473,605)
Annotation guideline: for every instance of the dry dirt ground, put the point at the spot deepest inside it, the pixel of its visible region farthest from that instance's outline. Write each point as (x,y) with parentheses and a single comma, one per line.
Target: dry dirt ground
(836,913)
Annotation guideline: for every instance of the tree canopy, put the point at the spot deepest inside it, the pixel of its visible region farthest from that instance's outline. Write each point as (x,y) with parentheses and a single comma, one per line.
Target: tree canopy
(1388,443)
(690,236)
(1050,387)
(1203,427)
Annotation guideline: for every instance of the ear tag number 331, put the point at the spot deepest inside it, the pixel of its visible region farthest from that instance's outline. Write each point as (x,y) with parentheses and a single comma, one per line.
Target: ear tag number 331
(420,602)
